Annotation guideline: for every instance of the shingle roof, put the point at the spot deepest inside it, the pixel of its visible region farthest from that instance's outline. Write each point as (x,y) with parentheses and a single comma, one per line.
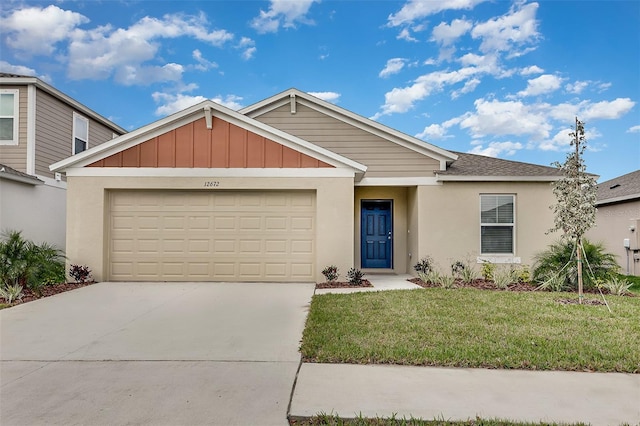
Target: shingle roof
(13,174)
(9,75)
(625,187)
(481,166)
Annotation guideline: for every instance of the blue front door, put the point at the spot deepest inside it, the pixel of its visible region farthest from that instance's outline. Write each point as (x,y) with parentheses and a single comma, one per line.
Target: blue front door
(376,236)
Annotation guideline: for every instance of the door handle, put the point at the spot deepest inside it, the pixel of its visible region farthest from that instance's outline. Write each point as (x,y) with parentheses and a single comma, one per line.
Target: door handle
(389,236)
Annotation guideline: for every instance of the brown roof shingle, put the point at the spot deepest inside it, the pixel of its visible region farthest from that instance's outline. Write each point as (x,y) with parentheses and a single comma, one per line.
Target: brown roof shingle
(623,187)
(483,166)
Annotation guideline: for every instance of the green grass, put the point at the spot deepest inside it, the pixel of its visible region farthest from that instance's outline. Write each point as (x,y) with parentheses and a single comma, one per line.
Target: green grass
(4,305)
(635,288)
(474,328)
(333,420)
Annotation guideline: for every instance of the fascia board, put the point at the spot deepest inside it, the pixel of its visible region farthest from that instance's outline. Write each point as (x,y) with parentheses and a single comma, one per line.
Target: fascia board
(351,118)
(22,179)
(195,112)
(447,178)
(63,97)
(623,198)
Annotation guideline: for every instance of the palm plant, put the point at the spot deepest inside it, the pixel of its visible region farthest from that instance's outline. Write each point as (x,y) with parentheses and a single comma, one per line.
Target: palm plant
(558,265)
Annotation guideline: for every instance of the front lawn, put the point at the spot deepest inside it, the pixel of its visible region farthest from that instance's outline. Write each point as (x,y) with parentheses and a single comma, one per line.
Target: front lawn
(474,328)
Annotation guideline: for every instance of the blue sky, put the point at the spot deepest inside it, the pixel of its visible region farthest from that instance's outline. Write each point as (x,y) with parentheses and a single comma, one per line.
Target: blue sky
(497,78)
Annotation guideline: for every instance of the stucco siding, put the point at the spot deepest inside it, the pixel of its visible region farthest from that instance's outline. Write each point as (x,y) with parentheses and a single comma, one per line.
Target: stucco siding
(37,210)
(612,228)
(88,213)
(15,156)
(382,157)
(54,132)
(449,220)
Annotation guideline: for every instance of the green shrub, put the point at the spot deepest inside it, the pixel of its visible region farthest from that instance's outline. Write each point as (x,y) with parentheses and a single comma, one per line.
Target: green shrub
(487,270)
(11,293)
(503,276)
(424,265)
(447,281)
(560,260)
(457,269)
(27,264)
(330,273)
(80,273)
(617,286)
(355,276)
(431,277)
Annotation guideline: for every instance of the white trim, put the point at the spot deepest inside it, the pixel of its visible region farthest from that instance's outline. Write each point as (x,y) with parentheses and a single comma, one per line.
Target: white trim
(209,173)
(453,178)
(195,112)
(7,81)
(16,117)
(498,259)
(52,182)
(31,129)
(512,225)
(399,181)
(31,180)
(629,197)
(73,133)
(353,119)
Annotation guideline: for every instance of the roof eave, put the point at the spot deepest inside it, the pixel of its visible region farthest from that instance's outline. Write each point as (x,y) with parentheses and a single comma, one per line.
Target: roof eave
(63,97)
(463,178)
(629,197)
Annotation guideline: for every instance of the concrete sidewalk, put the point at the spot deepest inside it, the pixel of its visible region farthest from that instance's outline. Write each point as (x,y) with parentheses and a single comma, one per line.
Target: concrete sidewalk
(462,393)
(379,282)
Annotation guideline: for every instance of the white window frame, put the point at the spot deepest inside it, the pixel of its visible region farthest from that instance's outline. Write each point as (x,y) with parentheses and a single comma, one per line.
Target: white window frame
(511,224)
(77,116)
(15,116)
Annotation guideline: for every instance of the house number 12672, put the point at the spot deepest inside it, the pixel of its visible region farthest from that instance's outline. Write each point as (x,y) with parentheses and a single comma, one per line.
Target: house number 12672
(211,184)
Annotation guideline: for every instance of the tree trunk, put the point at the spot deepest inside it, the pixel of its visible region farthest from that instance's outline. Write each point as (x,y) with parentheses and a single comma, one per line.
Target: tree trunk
(579,248)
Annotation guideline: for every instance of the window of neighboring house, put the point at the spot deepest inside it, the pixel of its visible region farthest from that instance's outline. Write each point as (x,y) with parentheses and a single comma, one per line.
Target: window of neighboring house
(8,117)
(80,133)
(497,220)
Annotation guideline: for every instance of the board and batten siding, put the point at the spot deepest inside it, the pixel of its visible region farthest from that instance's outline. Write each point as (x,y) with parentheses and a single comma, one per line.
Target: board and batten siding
(15,156)
(382,157)
(54,132)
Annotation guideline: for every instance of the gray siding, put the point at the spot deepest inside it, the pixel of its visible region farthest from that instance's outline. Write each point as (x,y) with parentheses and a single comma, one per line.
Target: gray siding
(15,156)
(54,132)
(382,157)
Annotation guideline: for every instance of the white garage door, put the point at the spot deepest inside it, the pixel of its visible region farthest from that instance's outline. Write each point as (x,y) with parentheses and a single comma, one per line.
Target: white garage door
(212,236)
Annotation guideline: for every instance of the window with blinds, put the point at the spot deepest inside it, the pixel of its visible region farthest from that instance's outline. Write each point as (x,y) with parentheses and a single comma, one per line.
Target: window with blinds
(497,220)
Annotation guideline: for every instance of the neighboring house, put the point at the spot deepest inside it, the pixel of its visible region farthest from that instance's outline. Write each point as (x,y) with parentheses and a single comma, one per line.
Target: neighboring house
(39,126)
(618,220)
(281,189)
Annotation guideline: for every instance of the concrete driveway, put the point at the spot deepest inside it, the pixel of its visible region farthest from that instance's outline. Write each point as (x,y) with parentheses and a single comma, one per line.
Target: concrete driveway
(153,353)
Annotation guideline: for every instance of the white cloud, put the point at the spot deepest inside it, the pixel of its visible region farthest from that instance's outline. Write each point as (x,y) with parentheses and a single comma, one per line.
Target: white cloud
(546,83)
(36,31)
(468,87)
(517,28)
(171,103)
(8,68)
(603,87)
(248,47)
(282,12)
(561,141)
(634,129)
(446,34)
(494,149)
(203,64)
(326,96)
(576,87)
(433,131)
(497,118)
(418,9)
(404,34)
(393,66)
(129,75)
(607,110)
(533,69)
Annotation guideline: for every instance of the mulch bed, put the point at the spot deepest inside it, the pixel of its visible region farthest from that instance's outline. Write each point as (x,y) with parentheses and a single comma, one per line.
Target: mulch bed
(479,284)
(48,290)
(343,284)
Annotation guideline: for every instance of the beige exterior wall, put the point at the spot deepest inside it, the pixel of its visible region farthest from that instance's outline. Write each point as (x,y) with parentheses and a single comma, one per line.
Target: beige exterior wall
(612,227)
(400,222)
(382,157)
(15,156)
(88,205)
(37,210)
(54,132)
(448,223)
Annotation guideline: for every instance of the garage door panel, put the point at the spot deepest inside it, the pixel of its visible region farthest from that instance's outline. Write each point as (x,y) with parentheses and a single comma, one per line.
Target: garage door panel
(232,236)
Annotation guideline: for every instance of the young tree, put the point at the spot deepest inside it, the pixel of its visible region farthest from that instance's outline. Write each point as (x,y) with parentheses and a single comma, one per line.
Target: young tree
(575,192)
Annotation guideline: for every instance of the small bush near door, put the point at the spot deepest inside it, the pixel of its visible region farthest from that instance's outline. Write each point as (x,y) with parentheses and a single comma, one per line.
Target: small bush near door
(355,276)
(330,273)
